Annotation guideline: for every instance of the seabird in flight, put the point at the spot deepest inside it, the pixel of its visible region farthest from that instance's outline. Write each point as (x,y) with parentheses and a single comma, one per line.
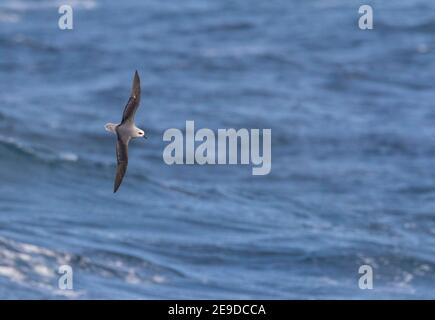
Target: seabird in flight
(125,131)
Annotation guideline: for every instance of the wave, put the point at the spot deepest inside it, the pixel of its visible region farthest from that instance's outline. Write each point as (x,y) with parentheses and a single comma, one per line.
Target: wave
(16,150)
(235,52)
(34,266)
(42,154)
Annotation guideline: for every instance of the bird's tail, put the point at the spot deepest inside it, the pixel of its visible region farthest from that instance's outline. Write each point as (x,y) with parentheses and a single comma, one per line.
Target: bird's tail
(111,127)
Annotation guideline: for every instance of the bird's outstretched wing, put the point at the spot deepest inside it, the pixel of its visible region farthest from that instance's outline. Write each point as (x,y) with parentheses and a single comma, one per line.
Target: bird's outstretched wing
(122,158)
(133,101)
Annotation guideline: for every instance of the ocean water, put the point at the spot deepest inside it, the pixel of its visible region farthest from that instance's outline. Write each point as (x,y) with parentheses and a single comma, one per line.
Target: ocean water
(352,114)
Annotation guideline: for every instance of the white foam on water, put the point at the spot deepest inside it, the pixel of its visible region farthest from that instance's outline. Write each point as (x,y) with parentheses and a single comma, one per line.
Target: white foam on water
(11,273)
(33,266)
(68,156)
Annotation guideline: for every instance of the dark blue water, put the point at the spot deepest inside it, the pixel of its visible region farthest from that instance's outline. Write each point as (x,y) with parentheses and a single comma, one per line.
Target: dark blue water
(352,115)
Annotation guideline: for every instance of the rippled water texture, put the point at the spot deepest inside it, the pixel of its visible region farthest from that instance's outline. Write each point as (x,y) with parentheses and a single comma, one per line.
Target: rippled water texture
(353,149)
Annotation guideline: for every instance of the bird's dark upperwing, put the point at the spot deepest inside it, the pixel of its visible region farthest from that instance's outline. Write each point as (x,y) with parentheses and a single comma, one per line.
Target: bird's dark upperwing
(122,159)
(133,101)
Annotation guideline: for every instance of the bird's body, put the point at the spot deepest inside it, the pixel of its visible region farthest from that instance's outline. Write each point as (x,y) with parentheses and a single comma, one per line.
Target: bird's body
(125,131)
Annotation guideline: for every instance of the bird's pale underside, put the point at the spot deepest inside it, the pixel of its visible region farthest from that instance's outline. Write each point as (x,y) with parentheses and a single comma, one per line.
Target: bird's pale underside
(125,131)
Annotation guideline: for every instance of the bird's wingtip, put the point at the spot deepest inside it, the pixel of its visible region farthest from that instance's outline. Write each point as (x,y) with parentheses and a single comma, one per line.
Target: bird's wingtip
(136,79)
(135,91)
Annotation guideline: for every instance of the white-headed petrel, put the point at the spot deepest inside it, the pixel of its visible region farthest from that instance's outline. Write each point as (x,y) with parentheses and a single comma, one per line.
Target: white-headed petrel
(125,131)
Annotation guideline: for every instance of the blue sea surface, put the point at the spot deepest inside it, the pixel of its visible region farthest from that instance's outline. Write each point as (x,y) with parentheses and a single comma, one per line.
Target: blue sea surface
(352,114)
